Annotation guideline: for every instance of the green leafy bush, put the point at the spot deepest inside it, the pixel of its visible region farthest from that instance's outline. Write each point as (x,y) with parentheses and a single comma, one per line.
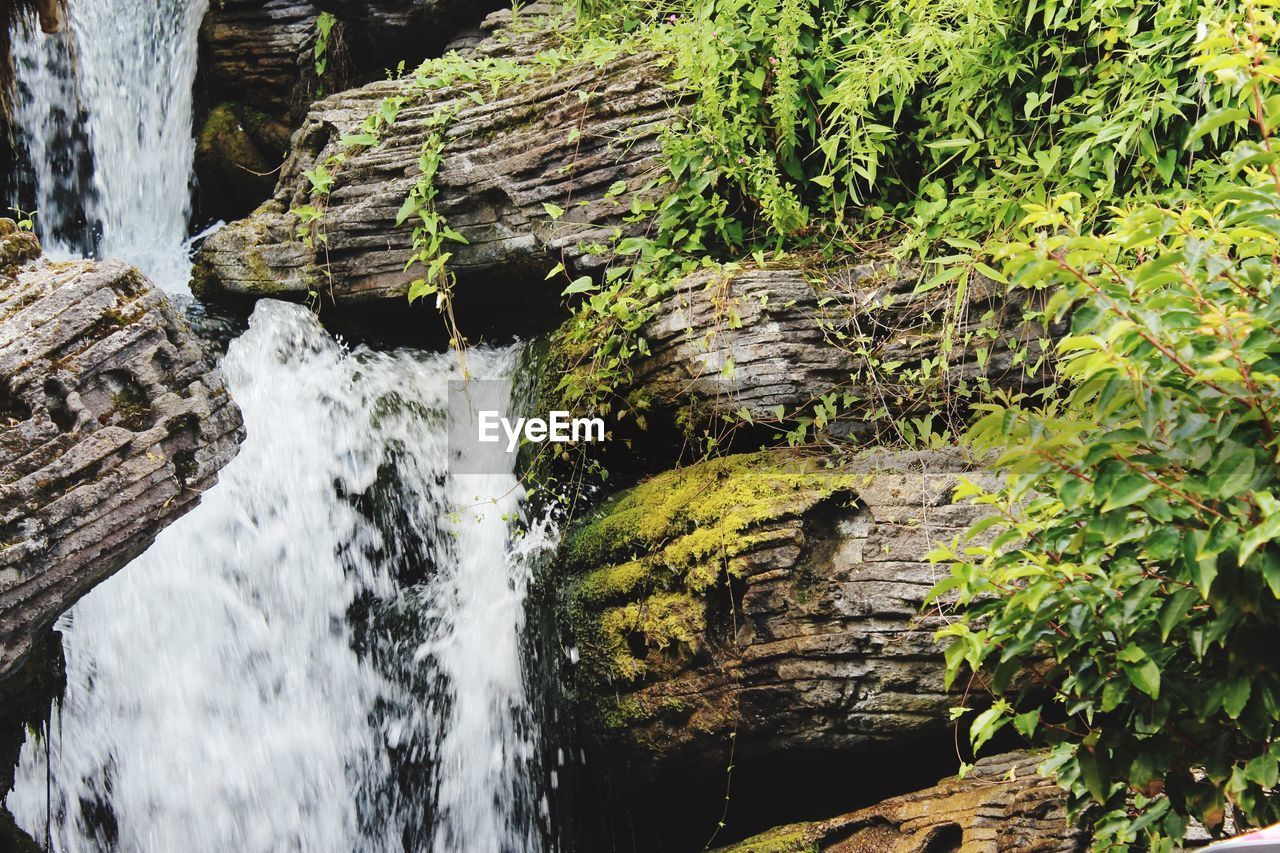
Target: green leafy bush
(827,126)
(821,120)
(1123,599)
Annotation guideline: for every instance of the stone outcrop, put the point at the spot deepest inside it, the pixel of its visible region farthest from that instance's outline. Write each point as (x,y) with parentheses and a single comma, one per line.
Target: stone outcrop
(765,598)
(112,424)
(384,32)
(1001,806)
(535,142)
(760,339)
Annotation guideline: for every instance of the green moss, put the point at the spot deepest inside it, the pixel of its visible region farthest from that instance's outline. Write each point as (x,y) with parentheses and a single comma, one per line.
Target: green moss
(798,838)
(692,517)
(16,248)
(230,135)
(648,561)
(237,152)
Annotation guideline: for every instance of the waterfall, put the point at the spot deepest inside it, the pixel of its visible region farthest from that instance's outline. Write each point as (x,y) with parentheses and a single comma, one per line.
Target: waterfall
(112,96)
(325,654)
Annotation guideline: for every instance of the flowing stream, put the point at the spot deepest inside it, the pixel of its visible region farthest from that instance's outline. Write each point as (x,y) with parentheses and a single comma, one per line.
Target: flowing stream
(327,653)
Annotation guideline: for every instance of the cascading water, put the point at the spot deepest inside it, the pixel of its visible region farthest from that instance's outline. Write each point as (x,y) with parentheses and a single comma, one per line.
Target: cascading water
(326,654)
(219,695)
(119,78)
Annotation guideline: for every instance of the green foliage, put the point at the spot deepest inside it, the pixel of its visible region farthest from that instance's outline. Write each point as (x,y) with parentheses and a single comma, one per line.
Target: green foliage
(828,120)
(324,32)
(1123,599)
(24,219)
(821,124)
(430,231)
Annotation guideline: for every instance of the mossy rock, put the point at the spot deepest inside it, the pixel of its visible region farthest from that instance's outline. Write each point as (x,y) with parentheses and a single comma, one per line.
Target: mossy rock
(238,151)
(646,566)
(17,247)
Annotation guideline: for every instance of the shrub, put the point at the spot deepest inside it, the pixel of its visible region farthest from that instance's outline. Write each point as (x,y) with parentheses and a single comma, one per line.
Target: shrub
(1123,601)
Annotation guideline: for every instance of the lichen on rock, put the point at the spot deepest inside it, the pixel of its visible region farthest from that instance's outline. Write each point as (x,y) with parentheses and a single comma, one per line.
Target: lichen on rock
(764,597)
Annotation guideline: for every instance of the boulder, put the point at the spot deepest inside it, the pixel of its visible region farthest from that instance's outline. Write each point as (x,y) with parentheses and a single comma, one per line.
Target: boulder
(112,424)
(764,340)
(1002,805)
(536,141)
(766,600)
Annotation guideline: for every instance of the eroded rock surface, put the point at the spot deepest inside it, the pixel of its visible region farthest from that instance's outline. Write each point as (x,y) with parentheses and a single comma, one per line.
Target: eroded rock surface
(536,141)
(112,424)
(766,598)
(255,52)
(760,339)
(1002,806)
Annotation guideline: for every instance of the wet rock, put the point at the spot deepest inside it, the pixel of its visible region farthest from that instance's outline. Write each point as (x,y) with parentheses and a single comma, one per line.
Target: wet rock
(112,424)
(50,14)
(1003,806)
(767,600)
(760,339)
(535,141)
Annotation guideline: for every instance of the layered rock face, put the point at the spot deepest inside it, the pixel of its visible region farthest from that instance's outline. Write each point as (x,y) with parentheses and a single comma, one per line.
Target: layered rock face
(760,339)
(767,599)
(112,424)
(1002,805)
(255,69)
(255,50)
(536,141)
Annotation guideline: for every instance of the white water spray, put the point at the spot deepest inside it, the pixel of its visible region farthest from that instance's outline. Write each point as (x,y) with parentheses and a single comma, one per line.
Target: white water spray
(221,693)
(325,655)
(128,67)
